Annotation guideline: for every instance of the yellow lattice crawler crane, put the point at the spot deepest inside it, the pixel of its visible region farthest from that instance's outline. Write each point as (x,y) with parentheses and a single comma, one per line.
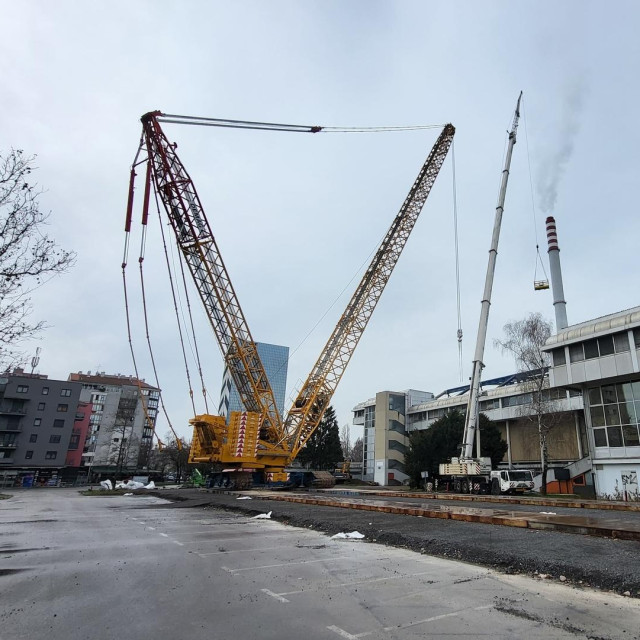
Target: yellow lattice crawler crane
(258,445)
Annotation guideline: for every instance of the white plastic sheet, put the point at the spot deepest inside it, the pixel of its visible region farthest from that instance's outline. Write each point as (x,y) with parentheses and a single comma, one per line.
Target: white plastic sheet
(263,516)
(356,535)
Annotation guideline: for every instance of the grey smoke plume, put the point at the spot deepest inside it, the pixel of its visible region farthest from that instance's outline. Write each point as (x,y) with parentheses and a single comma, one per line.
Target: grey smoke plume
(555,164)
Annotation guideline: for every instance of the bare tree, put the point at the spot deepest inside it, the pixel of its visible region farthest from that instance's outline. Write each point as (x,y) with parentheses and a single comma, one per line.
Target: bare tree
(173,458)
(524,339)
(28,257)
(345,441)
(357,451)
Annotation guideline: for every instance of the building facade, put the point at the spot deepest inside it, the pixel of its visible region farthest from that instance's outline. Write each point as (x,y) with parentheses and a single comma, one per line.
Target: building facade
(122,422)
(39,422)
(275,360)
(385,438)
(593,392)
(600,360)
(390,418)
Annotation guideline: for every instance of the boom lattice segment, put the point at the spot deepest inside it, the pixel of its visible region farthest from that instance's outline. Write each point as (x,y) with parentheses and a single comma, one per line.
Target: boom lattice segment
(201,253)
(314,397)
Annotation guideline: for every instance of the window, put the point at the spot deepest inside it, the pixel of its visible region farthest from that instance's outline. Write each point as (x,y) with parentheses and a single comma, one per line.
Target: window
(606,345)
(51,455)
(630,433)
(621,342)
(625,392)
(396,403)
(74,442)
(394,425)
(591,349)
(22,388)
(37,422)
(41,406)
(62,408)
(609,394)
(611,414)
(636,338)
(576,352)
(28,455)
(597,416)
(600,437)
(54,439)
(58,424)
(615,436)
(45,391)
(33,437)
(65,392)
(397,446)
(514,401)
(559,357)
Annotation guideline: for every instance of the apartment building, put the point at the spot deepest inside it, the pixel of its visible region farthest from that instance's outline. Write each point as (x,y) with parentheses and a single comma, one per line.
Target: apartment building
(122,421)
(40,423)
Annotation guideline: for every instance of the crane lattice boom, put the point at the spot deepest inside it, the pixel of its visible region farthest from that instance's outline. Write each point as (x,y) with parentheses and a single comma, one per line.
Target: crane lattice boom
(278,442)
(201,253)
(315,395)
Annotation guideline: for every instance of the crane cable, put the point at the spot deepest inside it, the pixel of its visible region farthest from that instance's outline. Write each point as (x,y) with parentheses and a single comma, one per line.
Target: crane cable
(175,304)
(533,205)
(194,348)
(143,240)
(125,258)
(144,303)
(455,235)
(272,126)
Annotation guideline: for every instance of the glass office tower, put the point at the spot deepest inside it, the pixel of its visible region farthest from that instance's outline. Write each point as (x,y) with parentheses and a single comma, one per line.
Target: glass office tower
(275,360)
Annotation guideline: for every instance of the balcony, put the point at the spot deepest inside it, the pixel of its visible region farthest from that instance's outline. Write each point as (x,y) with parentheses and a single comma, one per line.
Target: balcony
(13,410)
(6,461)
(12,428)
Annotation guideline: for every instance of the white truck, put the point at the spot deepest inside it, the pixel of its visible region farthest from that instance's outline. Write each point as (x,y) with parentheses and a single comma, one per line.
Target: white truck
(477,476)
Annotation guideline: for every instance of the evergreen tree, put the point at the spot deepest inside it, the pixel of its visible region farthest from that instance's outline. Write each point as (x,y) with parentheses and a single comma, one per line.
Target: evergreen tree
(441,441)
(323,450)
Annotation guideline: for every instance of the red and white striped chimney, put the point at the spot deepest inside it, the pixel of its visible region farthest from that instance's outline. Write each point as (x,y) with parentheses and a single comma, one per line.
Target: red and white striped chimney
(559,303)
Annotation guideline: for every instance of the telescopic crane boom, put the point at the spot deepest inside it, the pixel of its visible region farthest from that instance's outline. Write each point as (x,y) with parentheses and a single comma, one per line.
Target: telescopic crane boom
(469,474)
(275,443)
(471,418)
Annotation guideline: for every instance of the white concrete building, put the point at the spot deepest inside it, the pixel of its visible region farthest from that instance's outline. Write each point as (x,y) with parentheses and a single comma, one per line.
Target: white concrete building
(600,359)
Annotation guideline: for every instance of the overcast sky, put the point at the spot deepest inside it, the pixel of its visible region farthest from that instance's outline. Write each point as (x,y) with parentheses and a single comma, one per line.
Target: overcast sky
(297,216)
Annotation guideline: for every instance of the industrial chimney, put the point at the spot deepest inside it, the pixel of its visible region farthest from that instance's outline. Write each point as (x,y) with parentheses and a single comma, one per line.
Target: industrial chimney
(559,303)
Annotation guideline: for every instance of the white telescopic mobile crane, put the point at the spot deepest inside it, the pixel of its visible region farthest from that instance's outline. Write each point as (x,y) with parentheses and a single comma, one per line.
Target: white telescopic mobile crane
(469,474)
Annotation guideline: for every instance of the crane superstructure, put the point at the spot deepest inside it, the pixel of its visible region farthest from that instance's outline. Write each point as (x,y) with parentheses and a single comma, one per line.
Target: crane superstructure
(471,473)
(259,441)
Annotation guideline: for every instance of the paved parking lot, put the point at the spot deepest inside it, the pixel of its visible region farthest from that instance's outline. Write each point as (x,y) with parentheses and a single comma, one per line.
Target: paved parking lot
(78,567)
